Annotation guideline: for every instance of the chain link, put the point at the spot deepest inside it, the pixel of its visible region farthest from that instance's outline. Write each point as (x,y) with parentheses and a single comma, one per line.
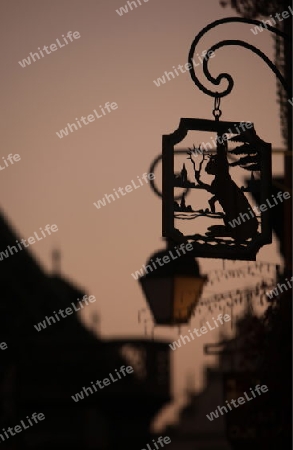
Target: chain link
(216,111)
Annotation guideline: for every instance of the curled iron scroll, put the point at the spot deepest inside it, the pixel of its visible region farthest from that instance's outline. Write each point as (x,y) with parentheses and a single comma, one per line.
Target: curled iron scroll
(225,76)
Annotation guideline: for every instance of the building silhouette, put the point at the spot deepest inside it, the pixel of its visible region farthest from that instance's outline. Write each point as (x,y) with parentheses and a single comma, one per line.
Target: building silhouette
(181,178)
(40,371)
(243,362)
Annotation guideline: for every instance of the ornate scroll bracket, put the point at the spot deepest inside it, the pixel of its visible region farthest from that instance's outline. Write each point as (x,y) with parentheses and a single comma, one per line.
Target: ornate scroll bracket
(225,76)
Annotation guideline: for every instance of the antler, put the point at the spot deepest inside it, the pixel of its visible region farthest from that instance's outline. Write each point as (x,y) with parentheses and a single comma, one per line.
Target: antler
(203,158)
(190,152)
(196,151)
(196,172)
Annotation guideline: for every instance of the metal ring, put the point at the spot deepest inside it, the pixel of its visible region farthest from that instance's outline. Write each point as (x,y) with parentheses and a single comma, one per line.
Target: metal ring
(152,183)
(217,113)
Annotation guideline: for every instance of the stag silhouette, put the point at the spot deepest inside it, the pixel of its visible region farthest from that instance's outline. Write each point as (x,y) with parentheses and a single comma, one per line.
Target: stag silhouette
(231,198)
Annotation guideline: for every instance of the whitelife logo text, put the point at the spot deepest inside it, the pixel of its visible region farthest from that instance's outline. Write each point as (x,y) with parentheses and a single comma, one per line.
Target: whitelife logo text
(279,288)
(200,332)
(124,9)
(106,382)
(263,207)
(166,259)
(31,240)
(160,440)
(53,47)
(214,414)
(86,120)
(162,80)
(146,177)
(19,428)
(10,158)
(279,17)
(64,312)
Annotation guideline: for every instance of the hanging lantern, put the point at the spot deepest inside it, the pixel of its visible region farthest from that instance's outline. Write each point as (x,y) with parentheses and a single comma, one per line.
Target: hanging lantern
(173,289)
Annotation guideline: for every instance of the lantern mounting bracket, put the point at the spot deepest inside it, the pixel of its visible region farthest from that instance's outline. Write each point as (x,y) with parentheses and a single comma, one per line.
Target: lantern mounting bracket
(225,76)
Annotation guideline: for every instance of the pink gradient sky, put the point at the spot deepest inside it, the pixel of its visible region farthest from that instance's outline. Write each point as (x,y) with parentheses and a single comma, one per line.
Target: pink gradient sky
(57,180)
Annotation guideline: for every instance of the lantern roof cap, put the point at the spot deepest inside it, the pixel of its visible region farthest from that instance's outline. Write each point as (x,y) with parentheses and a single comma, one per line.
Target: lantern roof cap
(179,264)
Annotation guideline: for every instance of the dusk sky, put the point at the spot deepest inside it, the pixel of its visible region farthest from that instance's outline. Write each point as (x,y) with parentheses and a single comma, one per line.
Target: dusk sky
(115,60)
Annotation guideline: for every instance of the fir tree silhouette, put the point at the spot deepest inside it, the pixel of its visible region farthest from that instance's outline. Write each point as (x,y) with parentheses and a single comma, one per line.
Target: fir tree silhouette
(250,148)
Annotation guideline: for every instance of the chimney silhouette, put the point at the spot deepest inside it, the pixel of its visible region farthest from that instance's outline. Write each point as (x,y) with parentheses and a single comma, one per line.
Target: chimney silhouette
(56,261)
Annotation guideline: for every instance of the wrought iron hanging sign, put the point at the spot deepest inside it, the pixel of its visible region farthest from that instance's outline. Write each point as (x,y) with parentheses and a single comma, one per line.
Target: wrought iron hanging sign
(205,201)
(221,221)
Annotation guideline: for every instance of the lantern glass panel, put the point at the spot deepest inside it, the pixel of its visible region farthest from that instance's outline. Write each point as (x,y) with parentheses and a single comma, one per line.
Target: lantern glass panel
(159,294)
(187,291)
